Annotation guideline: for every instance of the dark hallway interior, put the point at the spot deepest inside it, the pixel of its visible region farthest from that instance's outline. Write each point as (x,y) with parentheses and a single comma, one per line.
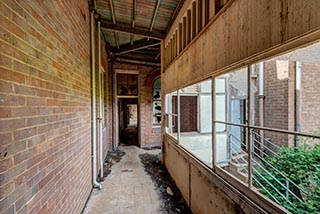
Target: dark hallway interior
(128,121)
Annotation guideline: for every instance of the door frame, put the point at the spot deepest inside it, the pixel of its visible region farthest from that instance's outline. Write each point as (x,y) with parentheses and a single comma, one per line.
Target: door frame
(116,105)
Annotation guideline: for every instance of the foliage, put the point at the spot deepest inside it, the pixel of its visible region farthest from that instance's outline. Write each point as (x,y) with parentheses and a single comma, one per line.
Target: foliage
(301,165)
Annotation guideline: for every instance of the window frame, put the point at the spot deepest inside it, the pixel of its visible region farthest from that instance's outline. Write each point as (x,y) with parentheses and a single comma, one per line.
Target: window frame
(246,188)
(156,125)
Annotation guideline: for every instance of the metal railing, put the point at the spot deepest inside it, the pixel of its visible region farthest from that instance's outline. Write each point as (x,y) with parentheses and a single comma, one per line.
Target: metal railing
(260,171)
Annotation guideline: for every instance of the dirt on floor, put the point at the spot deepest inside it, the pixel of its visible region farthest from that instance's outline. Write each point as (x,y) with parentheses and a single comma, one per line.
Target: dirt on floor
(170,195)
(112,158)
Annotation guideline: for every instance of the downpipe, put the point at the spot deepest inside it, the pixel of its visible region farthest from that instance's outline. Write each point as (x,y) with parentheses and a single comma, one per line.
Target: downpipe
(100,102)
(95,183)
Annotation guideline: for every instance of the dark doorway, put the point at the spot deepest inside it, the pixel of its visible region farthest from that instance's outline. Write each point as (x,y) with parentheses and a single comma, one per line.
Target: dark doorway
(128,121)
(188,108)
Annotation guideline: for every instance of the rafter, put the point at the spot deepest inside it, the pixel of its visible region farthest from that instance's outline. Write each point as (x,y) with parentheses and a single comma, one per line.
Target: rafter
(137,62)
(157,57)
(138,45)
(127,28)
(112,12)
(133,19)
(155,13)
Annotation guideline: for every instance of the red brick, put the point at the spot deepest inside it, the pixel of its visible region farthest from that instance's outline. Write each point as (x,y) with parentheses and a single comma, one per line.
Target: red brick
(5,35)
(5,138)
(5,164)
(25,155)
(25,133)
(26,176)
(11,27)
(12,124)
(5,112)
(14,148)
(6,189)
(25,111)
(44,93)
(21,89)
(36,121)
(11,100)
(45,128)
(6,87)
(32,101)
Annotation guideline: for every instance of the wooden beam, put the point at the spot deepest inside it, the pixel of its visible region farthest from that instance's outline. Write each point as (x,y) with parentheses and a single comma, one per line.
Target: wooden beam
(158,55)
(155,13)
(194,20)
(116,38)
(138,45)
(127,28)
(137,62)
(112,11)
(133,19)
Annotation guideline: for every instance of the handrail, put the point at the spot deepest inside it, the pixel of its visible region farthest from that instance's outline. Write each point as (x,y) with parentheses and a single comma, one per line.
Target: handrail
(266,140)
(260,166)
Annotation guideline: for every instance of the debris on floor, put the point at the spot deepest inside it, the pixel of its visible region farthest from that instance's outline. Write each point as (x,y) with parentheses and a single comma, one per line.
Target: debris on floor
(170,195)
(112,158)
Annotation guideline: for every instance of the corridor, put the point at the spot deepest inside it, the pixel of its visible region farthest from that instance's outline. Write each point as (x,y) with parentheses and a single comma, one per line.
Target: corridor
(127,189)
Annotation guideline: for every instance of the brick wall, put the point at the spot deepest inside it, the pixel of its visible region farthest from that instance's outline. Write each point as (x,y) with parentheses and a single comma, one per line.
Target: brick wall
(276,105)
(149,136)
(279,109)
(310,108)
(45,106)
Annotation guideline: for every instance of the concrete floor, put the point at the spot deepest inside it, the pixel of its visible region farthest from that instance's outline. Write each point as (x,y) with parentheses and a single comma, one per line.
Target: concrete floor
(127,189)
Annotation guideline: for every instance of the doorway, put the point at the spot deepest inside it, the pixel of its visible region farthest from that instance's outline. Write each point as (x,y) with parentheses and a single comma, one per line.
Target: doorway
(128,109)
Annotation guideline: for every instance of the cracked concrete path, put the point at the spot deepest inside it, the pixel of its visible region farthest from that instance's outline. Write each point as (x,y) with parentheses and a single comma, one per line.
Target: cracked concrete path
(127,189)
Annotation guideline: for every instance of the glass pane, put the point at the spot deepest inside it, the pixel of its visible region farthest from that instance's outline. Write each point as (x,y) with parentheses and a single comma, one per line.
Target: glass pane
(196,120)
(231,98)
(288,91)
(171,117)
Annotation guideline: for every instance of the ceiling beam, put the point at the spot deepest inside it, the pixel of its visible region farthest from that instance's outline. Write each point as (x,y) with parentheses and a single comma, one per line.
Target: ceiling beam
(112,12)
(133,19)
(138,45)
(158,55)
(113,15)
(137,62)
(116,38)
(155,13)
(127,28)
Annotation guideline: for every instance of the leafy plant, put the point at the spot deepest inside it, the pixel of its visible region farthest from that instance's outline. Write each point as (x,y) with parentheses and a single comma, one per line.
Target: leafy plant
(302,166)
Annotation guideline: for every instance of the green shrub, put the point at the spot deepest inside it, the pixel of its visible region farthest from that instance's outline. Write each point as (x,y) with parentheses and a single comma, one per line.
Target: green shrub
(300,164)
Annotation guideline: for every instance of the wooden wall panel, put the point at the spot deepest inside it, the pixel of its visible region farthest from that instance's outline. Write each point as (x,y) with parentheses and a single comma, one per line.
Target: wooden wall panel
(247,29)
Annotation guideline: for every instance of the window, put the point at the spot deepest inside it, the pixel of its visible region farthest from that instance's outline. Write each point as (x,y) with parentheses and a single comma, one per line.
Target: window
(266,127)
(156,104)
(172,114)
(196,120)
(127,84)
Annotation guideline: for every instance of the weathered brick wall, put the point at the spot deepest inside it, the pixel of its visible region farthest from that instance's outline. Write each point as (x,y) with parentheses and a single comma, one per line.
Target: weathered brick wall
(276,88)
(310,108)
(45,107)
(149,136)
